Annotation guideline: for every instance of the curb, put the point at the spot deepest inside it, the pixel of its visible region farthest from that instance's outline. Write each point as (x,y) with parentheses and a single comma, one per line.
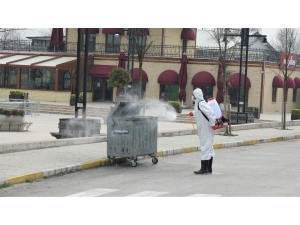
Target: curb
(105,162)
(7,148)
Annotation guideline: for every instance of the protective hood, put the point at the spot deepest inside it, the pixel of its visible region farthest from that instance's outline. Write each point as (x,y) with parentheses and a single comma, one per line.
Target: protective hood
(198,94)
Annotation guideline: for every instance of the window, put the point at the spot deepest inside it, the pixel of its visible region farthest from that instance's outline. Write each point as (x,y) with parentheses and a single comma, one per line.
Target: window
(67,80)
(274,93)
(233,93)
(294,94)
(37,78)
(112,43)
(92,42)
(168,92)
(207,91)
(8,77)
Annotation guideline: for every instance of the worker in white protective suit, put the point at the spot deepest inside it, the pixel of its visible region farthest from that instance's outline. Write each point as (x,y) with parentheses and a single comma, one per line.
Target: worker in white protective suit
(205,120)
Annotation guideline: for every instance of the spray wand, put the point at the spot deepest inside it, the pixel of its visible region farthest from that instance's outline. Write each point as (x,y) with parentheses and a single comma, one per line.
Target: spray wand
(191,114)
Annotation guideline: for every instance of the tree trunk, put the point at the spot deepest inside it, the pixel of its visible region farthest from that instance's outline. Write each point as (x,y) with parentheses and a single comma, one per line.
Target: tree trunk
(139,87)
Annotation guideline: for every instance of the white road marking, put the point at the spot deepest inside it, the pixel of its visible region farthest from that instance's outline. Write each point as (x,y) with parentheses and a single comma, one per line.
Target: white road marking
(102,191)
(148,194)
(93,192)
(203,195)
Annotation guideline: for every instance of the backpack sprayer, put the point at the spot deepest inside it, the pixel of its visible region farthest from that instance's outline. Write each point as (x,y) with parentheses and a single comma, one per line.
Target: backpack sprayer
(219,123)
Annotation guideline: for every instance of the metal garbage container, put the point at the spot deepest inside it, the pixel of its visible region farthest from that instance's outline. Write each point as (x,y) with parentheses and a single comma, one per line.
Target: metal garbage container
(130,134)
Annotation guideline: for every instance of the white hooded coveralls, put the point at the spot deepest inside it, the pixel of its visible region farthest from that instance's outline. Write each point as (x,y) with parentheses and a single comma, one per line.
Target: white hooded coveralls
(205,131)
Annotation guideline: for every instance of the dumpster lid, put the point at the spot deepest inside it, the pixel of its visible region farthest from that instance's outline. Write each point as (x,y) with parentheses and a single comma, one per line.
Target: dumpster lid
(128,109)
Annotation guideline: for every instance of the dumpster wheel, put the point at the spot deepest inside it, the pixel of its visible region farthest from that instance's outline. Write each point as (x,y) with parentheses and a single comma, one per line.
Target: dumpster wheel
(133,163)
(112,161)
(154,160)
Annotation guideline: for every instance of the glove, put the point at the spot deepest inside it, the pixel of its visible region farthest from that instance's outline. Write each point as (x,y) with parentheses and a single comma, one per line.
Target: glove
(224,120)
(191,114)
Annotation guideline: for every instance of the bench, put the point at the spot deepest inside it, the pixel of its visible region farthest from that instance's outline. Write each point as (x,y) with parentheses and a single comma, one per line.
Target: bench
(240,118)
(23,126)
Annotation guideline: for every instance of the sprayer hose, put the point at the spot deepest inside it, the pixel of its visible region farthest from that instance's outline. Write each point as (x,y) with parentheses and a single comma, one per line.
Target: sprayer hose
(193,126)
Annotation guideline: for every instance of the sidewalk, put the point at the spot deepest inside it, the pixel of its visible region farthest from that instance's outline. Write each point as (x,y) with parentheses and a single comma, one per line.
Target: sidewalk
(37,154)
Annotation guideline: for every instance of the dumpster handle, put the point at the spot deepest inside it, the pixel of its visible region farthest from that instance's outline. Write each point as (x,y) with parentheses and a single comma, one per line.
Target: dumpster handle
(113,123)
(120,131)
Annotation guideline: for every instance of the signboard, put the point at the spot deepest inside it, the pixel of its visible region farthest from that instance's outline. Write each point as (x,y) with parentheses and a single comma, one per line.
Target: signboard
(289,59)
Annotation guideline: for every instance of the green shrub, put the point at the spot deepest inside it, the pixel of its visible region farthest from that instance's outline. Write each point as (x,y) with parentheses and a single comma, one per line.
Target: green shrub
(174,103)
(295,111)
(12,112)
(251,109)
(73,96)
(19,93)
(119,78)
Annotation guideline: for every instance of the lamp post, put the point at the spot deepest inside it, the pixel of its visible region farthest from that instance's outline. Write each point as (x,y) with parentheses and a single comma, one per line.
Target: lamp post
(244,43)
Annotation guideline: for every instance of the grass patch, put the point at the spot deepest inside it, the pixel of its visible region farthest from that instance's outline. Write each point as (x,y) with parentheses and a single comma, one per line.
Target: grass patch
(279,128)
(4,185)
(229,134)
(29,181)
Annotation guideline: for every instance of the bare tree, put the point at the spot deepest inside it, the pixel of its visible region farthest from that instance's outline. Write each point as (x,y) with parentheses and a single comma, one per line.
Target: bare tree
(281,41)
(226,51)
(287,43)
(46,32)
(11,33)
(227,40)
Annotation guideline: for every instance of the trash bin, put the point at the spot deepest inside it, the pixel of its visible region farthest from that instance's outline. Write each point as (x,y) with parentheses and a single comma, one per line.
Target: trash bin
(130,134)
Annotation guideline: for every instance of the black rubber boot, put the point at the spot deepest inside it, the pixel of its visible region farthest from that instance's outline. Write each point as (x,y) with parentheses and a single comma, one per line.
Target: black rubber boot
(210,162)
(204,167)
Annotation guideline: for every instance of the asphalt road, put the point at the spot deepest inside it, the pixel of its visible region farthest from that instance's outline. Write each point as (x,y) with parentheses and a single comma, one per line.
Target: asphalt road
(264,170)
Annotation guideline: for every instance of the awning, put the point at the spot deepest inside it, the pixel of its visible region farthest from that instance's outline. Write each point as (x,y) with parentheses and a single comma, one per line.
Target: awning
(234,81)
(136,75)
(203,78)
(101,70)
(290,83)
(91,30)
(297,82)
(188,34)
(40,61)
(31,60)
(168,77)
(113,31)
(277,82)
(53,63)
(11,58)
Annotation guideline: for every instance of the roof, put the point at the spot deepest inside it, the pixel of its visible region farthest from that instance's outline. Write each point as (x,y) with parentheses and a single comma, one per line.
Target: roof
(205,39)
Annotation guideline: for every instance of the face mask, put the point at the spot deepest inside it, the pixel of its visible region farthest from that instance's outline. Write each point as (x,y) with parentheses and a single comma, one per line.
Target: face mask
(193,98)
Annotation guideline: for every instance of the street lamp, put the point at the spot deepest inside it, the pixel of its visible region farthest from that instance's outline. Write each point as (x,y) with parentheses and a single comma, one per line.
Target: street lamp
(245,43)
(131,47)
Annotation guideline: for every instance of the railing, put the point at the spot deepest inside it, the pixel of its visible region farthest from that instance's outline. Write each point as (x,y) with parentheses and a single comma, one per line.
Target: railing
(174,51)
(30,107)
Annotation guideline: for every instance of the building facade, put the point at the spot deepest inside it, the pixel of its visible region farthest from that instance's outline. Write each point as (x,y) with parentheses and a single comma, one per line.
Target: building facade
(50,76)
